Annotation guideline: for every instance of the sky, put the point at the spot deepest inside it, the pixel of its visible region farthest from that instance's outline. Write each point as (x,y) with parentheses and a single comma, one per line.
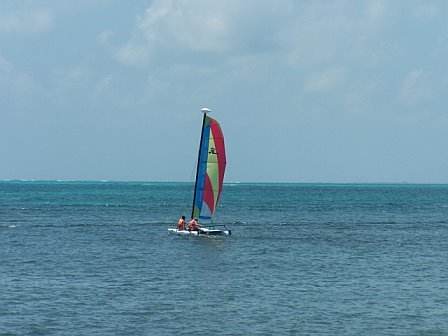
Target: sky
(305,91)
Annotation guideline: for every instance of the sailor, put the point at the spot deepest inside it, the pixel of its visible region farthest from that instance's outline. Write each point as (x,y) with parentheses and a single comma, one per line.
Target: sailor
(193,225)
(181,224)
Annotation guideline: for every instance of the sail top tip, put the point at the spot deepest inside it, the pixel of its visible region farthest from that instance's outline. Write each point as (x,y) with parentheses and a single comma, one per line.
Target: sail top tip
(205,110)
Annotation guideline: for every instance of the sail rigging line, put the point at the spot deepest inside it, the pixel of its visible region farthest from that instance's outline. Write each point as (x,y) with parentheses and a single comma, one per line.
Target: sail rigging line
(187,193)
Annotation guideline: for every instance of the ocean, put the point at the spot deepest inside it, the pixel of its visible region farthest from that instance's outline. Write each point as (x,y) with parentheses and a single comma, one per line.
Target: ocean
(95,258)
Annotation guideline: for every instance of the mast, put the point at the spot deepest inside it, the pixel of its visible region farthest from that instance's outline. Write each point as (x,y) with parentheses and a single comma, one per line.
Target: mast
(205,111)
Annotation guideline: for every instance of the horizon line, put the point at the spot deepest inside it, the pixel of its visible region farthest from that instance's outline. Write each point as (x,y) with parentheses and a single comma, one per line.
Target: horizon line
(225,183)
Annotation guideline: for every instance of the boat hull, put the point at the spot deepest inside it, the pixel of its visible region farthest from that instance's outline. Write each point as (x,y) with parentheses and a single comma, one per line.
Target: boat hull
(202,232)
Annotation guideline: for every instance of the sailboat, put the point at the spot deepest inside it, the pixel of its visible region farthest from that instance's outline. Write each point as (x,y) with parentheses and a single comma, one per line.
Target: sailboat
(209,179)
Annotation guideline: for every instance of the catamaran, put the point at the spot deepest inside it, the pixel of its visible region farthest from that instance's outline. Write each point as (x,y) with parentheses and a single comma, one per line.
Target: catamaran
(209,179)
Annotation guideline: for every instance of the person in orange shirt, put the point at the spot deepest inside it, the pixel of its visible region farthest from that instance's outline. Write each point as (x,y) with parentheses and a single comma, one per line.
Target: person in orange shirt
(194,225)
(181,224)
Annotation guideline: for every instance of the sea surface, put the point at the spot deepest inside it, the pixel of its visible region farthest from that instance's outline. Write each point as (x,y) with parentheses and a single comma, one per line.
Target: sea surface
(95,258)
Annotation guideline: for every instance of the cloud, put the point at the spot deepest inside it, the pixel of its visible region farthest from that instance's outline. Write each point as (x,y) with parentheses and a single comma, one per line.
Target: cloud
(26,22)
(186,30)
(194,29)
(316,47)
(298,34)
(176,25)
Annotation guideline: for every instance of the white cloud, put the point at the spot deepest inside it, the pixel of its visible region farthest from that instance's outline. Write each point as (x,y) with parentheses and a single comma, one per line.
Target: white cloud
(179,26)
(198,26)
(26,22)
(185,30)
(299,33)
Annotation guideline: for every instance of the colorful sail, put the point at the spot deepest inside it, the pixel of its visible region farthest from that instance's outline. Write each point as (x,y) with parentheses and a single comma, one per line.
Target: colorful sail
(211,167)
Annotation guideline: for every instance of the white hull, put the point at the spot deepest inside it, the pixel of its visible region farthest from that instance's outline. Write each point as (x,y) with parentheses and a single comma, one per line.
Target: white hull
(202,232)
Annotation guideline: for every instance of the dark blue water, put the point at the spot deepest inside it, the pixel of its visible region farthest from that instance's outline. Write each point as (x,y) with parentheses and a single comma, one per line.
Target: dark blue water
(96,259)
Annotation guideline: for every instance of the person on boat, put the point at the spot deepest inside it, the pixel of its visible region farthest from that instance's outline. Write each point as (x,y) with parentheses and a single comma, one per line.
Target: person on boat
(194,225)
(181,224)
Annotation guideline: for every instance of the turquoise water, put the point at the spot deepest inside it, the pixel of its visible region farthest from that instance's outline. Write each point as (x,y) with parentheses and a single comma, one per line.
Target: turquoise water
(94,258)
